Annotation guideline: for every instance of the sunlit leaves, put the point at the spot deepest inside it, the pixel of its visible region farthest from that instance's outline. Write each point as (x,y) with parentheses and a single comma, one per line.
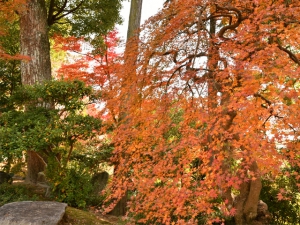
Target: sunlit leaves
(208,108)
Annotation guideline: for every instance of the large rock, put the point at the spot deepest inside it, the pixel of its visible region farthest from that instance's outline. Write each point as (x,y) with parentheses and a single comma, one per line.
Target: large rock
(32,213)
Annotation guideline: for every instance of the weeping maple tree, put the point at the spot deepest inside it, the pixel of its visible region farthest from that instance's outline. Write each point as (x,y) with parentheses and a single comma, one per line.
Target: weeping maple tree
(212,103)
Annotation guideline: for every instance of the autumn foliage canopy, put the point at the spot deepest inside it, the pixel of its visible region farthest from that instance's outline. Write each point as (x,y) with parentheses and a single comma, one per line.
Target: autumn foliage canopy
(205,107)
(211,107)
(8,16)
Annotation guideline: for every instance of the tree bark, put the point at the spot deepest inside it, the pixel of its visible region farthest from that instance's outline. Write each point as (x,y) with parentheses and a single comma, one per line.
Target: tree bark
(35,45)
(120,208)
(35,164)
(247,202)
(134,17)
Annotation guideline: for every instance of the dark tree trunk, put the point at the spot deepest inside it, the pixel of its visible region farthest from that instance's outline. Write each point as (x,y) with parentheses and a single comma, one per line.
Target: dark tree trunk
(35,45)
(120,208)
(130,58)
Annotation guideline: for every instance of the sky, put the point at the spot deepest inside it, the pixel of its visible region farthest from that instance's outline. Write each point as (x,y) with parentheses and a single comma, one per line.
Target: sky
(149,8)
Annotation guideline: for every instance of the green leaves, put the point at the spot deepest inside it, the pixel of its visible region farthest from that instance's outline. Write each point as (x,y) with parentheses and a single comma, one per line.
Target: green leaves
(50,118)
(66,95)
(90,18)
(47,117)
(95,17)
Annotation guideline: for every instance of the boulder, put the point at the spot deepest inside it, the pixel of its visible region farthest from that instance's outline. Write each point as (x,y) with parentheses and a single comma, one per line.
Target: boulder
(32,213)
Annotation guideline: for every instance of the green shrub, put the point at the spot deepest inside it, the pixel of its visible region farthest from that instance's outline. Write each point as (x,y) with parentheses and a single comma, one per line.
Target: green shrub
(13,193)
(284,211)
(72,184)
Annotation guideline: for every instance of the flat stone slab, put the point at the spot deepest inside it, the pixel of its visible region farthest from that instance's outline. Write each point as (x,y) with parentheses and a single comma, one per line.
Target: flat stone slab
(32,213)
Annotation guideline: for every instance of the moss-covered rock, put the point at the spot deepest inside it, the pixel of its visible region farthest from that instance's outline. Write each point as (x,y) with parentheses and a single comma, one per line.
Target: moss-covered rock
(79,217)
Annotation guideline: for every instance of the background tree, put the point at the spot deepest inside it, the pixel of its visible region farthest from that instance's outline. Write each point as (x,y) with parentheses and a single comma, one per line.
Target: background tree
(133,33)
(134,17)
(10,77)
(64,17)
(97,70)
(212,111)
(7,20)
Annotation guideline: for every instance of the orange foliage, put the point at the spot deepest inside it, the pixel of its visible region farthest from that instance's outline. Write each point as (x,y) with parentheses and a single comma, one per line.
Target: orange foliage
(8,11)
(201,110)
(204,108)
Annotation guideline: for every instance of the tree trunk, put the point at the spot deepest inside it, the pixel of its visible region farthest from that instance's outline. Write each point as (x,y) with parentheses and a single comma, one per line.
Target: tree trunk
(35,164)
(130,58)
(247,201)
(35,45)
(134,17)
(120,208)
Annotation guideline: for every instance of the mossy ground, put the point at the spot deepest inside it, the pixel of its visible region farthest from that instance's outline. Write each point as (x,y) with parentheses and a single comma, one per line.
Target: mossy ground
(75,216)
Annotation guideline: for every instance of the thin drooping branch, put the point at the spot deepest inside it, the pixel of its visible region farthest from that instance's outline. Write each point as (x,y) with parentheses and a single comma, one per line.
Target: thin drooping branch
(291,55)
(62,8)
(263,98)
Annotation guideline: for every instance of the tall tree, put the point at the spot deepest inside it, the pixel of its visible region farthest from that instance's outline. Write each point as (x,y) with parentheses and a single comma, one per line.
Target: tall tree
(35,43)
(91,19)
(69,17)
(213,109)
(130,59)
(134,17)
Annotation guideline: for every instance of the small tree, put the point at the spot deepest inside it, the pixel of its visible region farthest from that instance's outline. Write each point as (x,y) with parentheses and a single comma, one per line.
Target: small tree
(51,132)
